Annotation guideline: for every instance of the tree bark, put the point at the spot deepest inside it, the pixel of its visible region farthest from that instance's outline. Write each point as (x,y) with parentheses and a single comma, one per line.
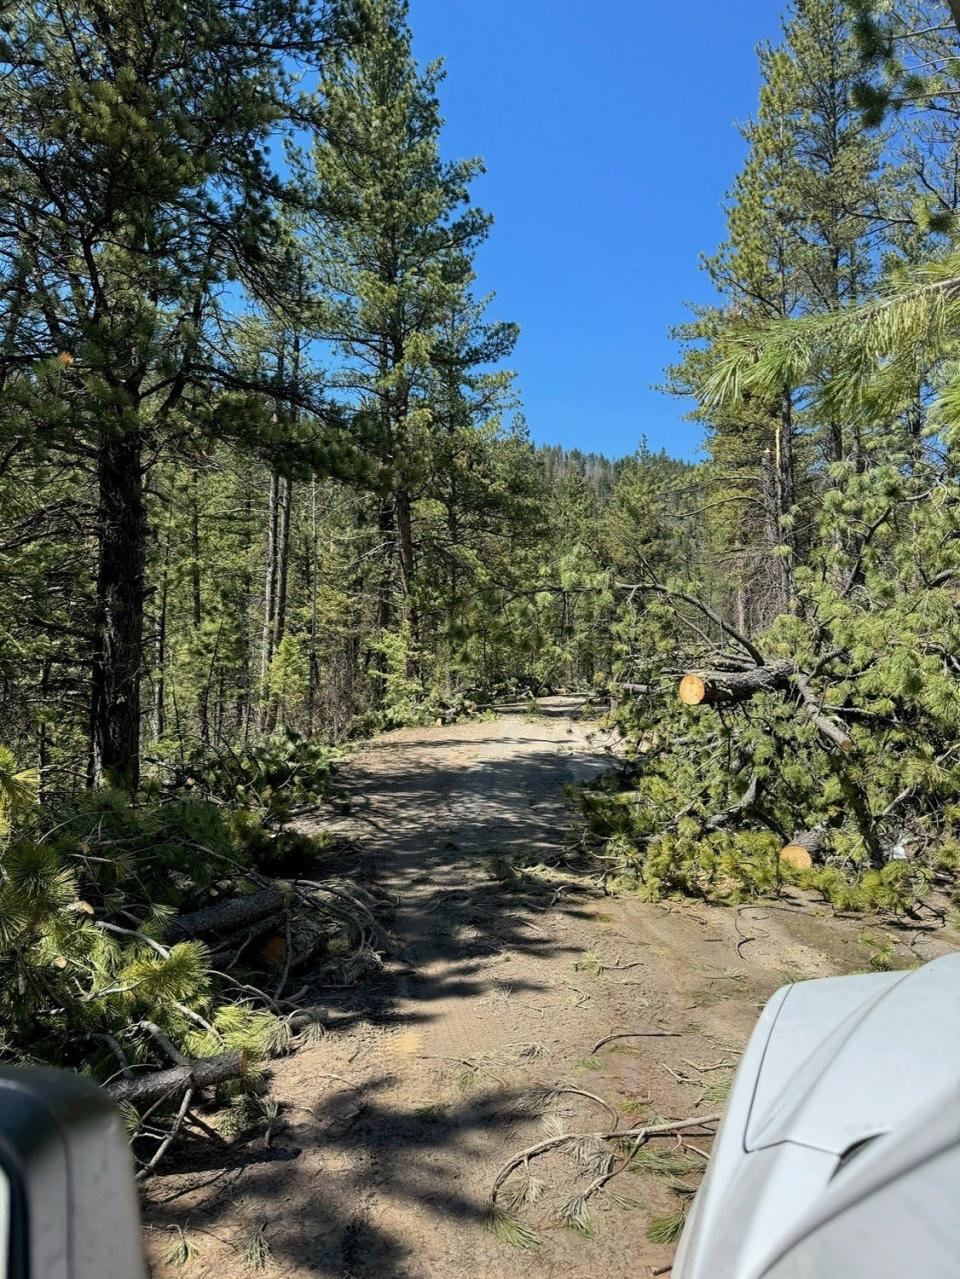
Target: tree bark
(736,809)
(727,688)
(830,729)
(408,564)
(118,618)
(785,494)
(204,1073)
(226,916)
(266,648)
(281,572)
(159,687)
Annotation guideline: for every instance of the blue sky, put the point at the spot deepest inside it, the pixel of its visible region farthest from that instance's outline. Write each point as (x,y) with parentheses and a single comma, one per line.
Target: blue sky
(610,140)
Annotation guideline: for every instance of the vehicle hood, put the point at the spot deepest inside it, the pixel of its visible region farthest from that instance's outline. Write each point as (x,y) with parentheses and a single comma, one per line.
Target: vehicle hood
(851,1058)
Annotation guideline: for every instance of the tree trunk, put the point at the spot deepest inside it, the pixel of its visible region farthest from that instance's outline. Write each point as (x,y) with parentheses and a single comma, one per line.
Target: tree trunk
(313,673)
(803,849)
(229,915)
(727,688)
(159,686)
(43,732)
(280,574)
(118,619)
(785,495)
(266,648)
(203,693)
(408,565)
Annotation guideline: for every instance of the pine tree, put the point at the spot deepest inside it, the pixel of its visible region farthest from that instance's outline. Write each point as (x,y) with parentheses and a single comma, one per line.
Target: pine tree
(393,257)
(805,223)
(133,162)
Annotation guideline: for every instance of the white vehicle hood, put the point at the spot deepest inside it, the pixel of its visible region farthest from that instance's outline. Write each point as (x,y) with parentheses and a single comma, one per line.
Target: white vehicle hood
(889,1051)
(831,1064)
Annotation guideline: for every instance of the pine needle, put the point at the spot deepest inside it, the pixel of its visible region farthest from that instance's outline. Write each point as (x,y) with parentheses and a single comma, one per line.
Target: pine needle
(621,1201)
(667,1229)
(717,1089)
(510,1230)
(573,1214)
(660,1163)
(182,1250)
(527,1052)
(521,1190)
(592,1155)
(254,1249)
(555,1126)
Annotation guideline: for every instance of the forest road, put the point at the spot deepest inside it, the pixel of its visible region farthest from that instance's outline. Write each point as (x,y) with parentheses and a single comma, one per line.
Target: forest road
(392,1127)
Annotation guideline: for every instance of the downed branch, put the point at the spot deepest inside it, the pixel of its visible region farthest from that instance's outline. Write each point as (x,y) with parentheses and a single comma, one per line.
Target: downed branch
(728,688)
(637,1135)
(830,728)
(635,1034)
(737,809)
(205,1072)
(230,914)
(731,688)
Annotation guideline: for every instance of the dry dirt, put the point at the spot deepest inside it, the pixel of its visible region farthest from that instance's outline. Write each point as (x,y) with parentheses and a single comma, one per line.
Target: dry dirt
(392,1127)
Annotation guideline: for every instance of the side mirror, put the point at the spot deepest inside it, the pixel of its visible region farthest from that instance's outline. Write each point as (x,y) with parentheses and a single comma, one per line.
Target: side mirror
(68,1198)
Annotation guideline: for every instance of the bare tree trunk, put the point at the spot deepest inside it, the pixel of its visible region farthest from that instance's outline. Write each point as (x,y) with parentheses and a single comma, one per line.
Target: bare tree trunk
(313,674)
(785,494)
(118,617)
(195,553)
(266,648)
(43,732)
(408,568)
(742,622)
(203,693)
(280,575)
(159,687)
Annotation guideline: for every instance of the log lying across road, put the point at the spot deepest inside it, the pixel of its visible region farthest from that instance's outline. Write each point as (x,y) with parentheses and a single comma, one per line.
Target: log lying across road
(229,914)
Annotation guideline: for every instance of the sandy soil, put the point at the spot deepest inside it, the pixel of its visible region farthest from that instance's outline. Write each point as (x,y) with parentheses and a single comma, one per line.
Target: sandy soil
(393,1126)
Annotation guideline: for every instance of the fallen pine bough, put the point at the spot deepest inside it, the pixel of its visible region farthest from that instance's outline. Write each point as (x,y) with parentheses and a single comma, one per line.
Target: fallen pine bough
(205,1072)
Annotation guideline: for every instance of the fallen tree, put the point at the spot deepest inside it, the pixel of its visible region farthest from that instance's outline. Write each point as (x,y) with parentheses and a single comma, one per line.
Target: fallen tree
(803,849)
(822,750)
(232,913)
(732,687)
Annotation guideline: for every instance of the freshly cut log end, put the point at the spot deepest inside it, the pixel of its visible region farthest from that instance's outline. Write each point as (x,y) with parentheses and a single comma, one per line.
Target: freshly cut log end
(730,688)
(802,849)
(693,690)
(797,856)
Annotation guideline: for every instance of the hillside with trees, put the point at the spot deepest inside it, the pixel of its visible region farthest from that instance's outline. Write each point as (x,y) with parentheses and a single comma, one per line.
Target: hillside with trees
(267,489)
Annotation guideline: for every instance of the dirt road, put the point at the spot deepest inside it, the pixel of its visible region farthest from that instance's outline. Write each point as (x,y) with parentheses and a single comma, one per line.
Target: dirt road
(391,1128)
